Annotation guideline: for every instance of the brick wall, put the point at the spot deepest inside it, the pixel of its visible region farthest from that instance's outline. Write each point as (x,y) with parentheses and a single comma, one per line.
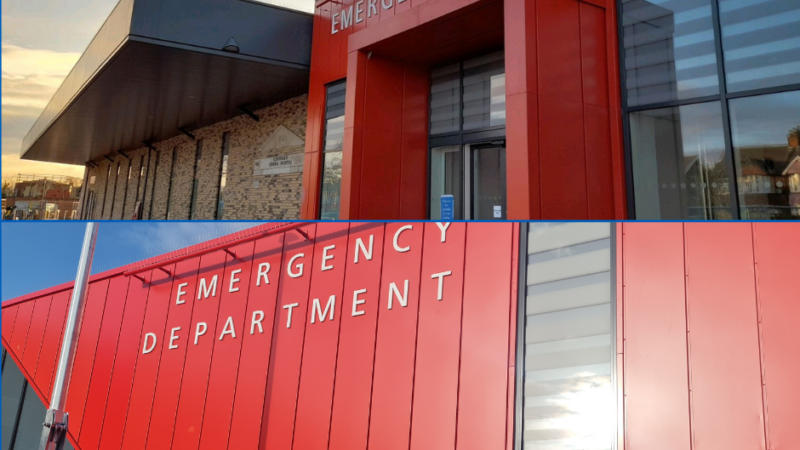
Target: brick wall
(248,196)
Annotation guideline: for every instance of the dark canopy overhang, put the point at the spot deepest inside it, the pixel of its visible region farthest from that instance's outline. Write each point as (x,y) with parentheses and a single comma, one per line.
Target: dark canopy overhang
(157,66)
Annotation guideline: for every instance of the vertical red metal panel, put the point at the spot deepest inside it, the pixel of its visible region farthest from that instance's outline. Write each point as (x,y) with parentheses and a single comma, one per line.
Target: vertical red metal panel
(144,380)
(21,326)
(414,146)
(438,339)
(483,374)
(33,343)
(9,315)
(85,354)
(189,418)
(594,61)
(225,360)
(287,351)
(351,397)
(512,338)
(51,343)
(776,258)
(170,371)
(315,392)
(105,355)
(723,338)
(655,337)
(395,348)
(248,404)
(109,430)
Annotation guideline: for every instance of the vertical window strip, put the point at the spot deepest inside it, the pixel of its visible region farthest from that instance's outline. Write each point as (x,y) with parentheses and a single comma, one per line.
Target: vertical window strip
(171,181)
(223,174)
(331,179)
(195,179)
(105,192)
(153,189)
(114,192)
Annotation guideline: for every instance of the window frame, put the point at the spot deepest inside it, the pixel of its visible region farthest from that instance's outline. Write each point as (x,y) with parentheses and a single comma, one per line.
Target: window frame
(724,96)
(322,150)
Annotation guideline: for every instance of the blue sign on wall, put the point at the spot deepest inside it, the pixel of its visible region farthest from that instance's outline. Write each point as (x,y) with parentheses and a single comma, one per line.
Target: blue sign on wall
(446,208)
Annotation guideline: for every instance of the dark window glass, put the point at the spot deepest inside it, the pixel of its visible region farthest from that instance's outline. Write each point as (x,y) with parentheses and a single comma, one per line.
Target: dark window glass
(29,430)
(13,381)
(114,192)
(195,180)
(484,96)
(679,163)
(105,192)
(761,43)
(223,174)
(445,95)
(172,176)
(669,50)
(766,144)
(330,194)
(569,336)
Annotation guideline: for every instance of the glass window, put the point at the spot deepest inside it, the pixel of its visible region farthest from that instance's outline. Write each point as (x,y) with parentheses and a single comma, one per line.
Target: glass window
(198,156)
(445,94)
(761,43)
(330,195)
(766,135)
(569,336)
(669,50)
(484,96)
(13,382)
(172,176)
(29,430)
(223,174)
(447,178)
(680,168)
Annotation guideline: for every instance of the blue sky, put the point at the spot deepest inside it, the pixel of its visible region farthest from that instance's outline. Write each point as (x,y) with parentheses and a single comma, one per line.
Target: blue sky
(37,255)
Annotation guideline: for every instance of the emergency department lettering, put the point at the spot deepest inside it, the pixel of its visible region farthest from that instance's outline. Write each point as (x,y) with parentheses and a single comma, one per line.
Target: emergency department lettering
(396,300)
(354,14)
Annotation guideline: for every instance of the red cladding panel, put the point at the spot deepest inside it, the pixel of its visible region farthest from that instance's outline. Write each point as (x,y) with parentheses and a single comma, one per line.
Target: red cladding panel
(85,354)
(104,362)
(33,343)
(231,323)
(170,371)
(248,403)
(200,346)
(144,381)
(322,336)
(21,326)
(438,338)
(484,337)
(51,344)
(776,250)
(655,333)
(393,377)
(351,398)
(723,338)
(9,314)
(110,438)
(287,351)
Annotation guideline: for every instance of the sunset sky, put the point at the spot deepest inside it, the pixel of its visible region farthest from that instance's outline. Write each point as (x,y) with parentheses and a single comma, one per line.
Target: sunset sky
(41,41)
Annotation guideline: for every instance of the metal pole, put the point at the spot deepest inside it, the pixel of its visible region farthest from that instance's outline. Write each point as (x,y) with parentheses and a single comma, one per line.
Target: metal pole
(56,421)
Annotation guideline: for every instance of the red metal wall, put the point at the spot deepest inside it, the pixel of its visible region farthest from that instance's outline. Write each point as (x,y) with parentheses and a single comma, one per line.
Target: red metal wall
(432,371)
(710,338)
(564,138)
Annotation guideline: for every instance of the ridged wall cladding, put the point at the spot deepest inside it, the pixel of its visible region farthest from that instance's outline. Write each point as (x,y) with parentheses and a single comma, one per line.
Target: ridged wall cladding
(247,196)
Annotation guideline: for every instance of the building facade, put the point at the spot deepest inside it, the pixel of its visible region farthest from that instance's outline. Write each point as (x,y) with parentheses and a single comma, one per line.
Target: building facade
(487,336)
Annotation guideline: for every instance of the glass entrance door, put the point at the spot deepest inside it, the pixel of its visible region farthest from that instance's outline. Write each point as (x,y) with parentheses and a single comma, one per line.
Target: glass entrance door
(474,175)
(488,182)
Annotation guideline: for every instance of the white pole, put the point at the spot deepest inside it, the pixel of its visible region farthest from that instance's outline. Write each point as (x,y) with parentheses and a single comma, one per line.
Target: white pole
(55,426)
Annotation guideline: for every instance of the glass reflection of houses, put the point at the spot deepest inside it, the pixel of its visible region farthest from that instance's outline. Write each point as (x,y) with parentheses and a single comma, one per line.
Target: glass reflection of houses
(769,180)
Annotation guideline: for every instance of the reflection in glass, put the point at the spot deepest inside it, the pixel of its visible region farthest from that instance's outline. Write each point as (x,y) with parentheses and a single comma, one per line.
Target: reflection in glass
(447,179)
(13,380)
(568,397)
(488,183)
(198,157)
(679,163)
(223,174)
(29,430)
(484,92)
(445,93)
(331,186)
(766,145)
(669,50)
(761,43)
